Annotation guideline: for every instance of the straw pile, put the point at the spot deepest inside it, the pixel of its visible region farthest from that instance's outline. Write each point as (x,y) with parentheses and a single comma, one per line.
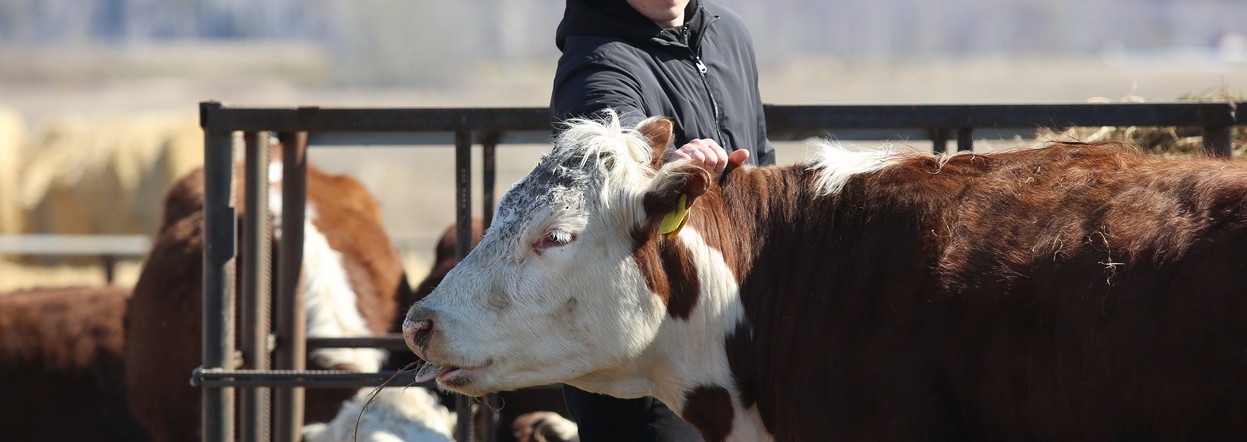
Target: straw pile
(105,175)
(1164,141)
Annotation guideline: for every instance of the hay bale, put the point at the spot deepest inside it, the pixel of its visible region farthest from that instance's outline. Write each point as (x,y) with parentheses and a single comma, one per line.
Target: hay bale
(1163,141)
(12,131)
(105,174)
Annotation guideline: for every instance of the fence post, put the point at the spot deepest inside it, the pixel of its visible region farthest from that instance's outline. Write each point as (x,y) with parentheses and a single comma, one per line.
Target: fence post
(1218,141)
(218,278)
(463,228)
(291,351)
(254,402)
(965,139)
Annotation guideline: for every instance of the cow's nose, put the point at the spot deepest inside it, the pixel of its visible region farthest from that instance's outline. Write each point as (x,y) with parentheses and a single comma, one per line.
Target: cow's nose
(417,329)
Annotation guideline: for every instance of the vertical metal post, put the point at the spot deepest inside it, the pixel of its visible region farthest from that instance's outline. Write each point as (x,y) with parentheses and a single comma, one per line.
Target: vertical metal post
(254,402)
(463,228)
(965,139)
(1218,141)
(939,140)
(291,352)
(218,278)
(489,168)
(110,268)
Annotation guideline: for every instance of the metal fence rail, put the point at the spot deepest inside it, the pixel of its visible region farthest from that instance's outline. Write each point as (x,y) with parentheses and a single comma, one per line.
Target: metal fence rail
(300,126)
(109,248)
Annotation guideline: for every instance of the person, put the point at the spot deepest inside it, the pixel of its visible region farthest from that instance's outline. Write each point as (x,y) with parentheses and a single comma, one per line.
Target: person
(691,61)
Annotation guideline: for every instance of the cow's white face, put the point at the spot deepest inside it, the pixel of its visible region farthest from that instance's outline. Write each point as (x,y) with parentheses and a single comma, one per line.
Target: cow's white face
(553,292)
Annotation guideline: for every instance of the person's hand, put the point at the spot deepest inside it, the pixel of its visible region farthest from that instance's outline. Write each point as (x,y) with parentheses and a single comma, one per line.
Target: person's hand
(707,153)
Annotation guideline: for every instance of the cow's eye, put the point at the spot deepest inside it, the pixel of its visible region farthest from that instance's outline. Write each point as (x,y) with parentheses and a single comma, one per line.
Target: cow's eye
(554,237)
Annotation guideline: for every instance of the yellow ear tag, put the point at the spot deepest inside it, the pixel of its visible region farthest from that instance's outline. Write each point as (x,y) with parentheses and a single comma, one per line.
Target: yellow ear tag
(674,221)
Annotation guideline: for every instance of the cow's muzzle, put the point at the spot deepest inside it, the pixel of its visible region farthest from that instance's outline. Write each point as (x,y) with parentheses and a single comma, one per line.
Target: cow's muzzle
(418,329)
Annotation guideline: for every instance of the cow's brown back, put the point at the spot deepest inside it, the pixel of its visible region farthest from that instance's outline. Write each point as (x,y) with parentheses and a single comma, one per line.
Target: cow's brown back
(1077,292)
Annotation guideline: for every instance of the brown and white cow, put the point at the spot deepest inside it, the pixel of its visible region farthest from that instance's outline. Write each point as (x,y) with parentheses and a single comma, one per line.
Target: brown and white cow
(1073,292)
(353,282)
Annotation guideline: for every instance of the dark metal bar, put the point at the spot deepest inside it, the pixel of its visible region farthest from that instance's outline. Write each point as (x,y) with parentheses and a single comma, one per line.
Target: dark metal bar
(110,268)
(965,139)
(218,278)
(393,341)
(320,378)
(939,140)
(791,121)
(489,173)
(373,120)
(463,244)
(254,403)
(291,352)
(1218,141)
(489,163)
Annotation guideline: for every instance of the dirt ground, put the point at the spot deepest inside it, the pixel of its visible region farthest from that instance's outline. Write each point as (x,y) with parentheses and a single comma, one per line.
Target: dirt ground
(415,185)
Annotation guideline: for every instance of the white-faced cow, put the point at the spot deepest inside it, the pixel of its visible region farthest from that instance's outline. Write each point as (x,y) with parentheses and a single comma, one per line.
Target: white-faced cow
(1073,292)
(353,282)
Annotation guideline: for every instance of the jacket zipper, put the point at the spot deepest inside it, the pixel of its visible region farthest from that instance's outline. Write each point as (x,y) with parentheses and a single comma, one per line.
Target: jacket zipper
(714,104)
(705,82)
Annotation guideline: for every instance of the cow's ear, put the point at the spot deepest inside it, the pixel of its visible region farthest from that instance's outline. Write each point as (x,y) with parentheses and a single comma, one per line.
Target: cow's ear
(658,131)
(671,195)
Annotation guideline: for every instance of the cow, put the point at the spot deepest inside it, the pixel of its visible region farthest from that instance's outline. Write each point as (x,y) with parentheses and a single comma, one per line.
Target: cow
(1071,292)
(396,414)
(353,282)
(61,365)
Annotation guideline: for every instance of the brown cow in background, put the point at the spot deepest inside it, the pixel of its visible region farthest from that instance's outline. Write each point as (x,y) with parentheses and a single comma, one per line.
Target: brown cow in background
(61,365)
(354,282)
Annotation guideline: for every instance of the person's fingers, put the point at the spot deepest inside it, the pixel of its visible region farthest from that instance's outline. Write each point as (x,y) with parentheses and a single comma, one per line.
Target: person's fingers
(698,155)
(704,152)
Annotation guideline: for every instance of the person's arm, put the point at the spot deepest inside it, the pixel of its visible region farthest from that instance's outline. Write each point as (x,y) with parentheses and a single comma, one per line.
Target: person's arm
(590,89)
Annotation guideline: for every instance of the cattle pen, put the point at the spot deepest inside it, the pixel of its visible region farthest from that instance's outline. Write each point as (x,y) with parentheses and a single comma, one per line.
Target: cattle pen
(267,365)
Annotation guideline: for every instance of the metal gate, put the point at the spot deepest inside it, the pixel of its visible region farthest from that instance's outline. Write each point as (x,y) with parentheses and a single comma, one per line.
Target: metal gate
(269,362)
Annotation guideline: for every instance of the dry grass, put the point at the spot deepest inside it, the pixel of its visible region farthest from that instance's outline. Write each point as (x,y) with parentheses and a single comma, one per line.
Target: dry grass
(1164,141)
(105,174)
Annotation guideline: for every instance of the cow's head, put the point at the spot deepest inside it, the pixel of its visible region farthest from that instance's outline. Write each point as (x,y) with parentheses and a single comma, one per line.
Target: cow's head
(554,293)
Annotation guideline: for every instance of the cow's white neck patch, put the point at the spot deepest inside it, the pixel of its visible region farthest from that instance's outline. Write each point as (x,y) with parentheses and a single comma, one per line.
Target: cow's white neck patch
(837,163)
(331,302)
(693,349)
(330,299)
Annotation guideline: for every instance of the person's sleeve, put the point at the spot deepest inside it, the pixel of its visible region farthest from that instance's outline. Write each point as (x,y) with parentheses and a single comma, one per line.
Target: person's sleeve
(589,90)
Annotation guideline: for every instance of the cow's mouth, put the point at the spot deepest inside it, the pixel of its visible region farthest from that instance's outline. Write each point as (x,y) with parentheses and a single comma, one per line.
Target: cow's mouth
(447,374)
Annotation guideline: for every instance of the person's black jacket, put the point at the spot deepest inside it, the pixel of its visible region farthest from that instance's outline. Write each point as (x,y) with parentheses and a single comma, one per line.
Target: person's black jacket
(615,57)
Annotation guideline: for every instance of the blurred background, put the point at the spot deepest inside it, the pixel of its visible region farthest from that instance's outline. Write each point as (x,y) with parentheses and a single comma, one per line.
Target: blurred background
(98,98)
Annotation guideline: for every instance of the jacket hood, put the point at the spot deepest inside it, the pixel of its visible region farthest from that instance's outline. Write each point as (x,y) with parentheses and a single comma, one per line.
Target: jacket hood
(616,18)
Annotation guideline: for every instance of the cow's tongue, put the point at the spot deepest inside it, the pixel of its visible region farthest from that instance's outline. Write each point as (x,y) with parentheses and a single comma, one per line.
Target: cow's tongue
(430,371)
